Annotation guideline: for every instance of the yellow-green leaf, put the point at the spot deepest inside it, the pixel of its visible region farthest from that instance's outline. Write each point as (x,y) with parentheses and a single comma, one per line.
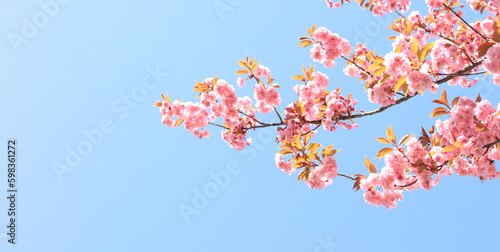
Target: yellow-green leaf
(404,139)
(285,152)
(299,77)
(242,63)
(414,46)
(313,147)
(371,167)
(496,31)
(305,43)
(178,122)
(390,135)
(304,175)
(384,152)
(439,111)
(449,148)
(243,71)
(383,140)
(400,82)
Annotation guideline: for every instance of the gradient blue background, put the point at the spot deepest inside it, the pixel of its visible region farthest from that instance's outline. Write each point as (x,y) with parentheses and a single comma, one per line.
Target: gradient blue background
(125,195)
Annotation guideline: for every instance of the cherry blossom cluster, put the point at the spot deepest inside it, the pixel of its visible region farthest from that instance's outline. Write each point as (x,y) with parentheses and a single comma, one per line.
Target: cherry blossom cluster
(470,128)
(380,7)
(218,99)
(408,58)
(492,64)
(317,173)
(461,145)
(310,92)
(467,143)
(323,175)
(338,105)
(266,97)
(493,6)
(194,115)
(319,177)
(328,47)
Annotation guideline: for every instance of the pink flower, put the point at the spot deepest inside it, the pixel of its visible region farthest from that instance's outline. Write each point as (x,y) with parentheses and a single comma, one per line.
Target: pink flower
(492,62)
(261,71)
(286,167)
(240,82)
(419,81)
(397,64)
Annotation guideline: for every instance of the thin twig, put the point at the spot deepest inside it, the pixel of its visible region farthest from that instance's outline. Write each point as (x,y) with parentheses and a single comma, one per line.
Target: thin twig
(345,176)
(443,80)
(313,129)
(362,69)
(465,22)
(410,184)
(251,117)
(275,110)
(218,125)
(488,146)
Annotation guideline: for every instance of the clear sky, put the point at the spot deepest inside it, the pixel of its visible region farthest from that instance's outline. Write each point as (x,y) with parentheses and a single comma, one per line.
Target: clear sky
(83,78)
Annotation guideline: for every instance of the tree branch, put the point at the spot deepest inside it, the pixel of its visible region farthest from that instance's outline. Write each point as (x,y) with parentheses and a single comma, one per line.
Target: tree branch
(345,176)
(275,110)
(465,22)
(218,125)
(362,69)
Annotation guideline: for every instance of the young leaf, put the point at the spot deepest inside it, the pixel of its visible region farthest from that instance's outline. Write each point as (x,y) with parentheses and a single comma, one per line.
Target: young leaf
(313,147)
(449,148)
(424,139)
(305,43)
(383,140)
(242,63)
(493,117)
(414,46)
(479,99)
(371,167)
(390,135)
(496,31)
(384,152)
(304,175)
(439,111)
(299,77)
(444,99)
(484,48)
(400,82)
(285,152)
(455,101)
(178,122)
(242,71)
(404,139)
(357,184)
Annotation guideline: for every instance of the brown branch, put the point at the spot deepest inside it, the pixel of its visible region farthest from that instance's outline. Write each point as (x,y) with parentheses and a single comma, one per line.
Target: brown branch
(476,73)
(313,129)
(488,146)
(410,184)
(362,69)
(275,110)
(218,125)
(443,80)
(265,125)
(253,118)
(429,31)
(345,176)
(465,22)
(348,117)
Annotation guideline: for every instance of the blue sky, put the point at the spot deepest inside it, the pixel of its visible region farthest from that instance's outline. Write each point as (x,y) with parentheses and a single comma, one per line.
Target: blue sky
(95,68)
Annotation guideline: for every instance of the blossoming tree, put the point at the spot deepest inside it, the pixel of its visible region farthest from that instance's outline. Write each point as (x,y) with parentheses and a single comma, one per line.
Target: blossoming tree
(428,50)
